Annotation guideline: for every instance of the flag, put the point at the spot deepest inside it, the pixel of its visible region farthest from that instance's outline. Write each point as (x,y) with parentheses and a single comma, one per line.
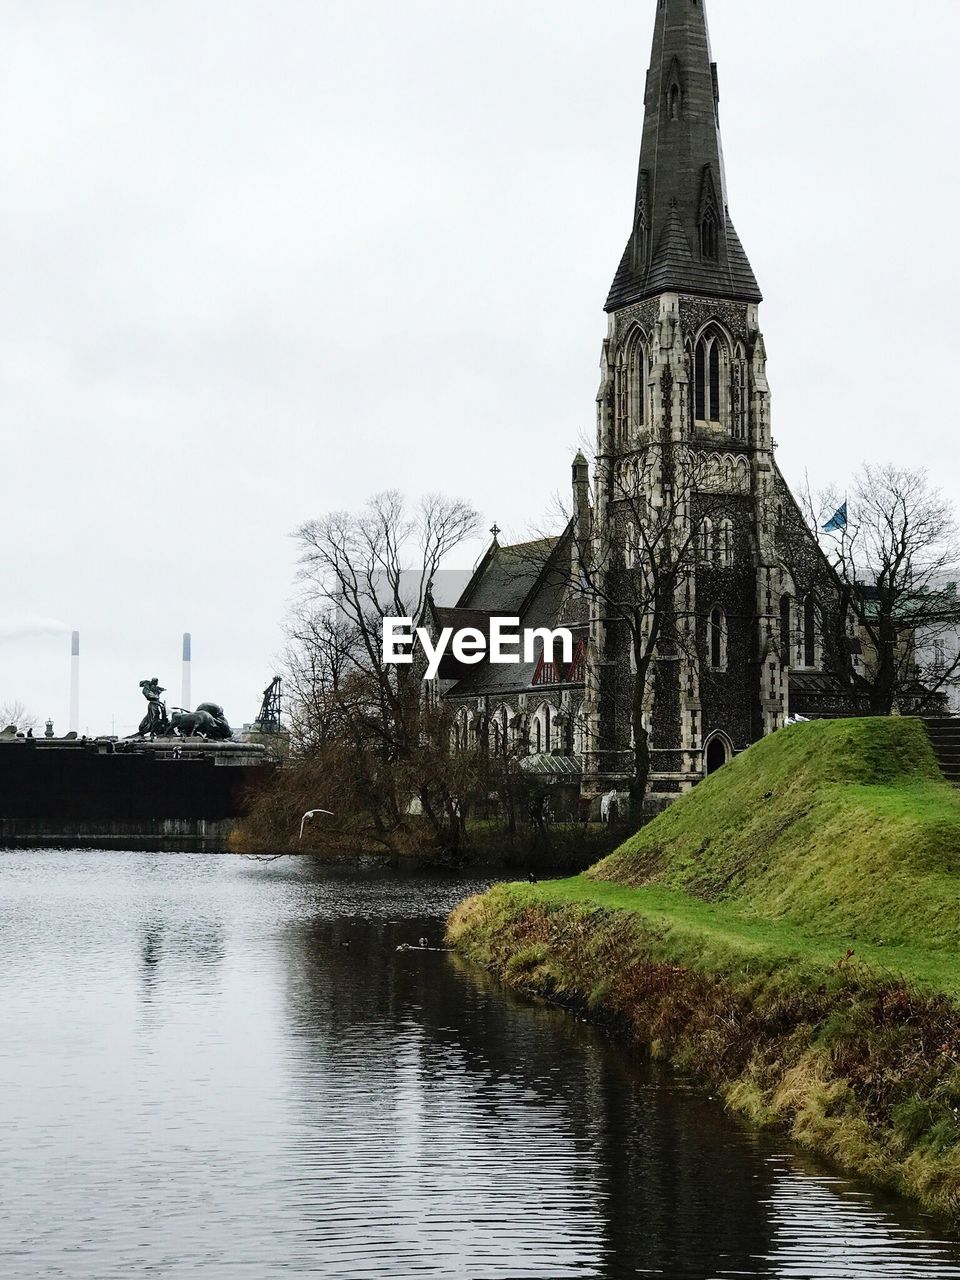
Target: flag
(837,521)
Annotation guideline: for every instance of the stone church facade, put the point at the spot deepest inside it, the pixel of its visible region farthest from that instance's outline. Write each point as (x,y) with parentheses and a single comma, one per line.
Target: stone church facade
(683,376)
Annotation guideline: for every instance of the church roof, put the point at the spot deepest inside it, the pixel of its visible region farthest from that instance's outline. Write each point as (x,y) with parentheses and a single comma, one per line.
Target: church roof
(523,580)
(683,239)
(506,576)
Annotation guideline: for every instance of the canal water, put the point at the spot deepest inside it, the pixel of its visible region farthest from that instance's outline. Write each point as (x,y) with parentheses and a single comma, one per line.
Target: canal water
(215,1067)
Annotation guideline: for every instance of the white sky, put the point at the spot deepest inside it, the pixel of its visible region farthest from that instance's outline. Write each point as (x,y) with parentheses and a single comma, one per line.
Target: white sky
(260,260)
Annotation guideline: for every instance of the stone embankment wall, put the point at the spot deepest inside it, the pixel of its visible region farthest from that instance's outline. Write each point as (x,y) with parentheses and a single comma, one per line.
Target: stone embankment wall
(106,793)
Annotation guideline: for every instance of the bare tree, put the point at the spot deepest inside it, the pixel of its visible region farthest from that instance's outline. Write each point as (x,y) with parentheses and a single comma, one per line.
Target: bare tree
(894,547)
(355,570)
(15,714)
(316,661)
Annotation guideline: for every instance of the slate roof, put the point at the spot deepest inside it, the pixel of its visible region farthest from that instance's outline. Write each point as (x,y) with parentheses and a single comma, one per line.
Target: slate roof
(457,619)
(681,174)
(674,268)
(506,576)
(524,581)
(823,682)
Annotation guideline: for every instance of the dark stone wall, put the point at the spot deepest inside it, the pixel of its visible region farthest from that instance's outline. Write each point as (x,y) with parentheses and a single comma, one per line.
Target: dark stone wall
(729,697)
(696,312)
(80,783)
(168,835)
(812,575)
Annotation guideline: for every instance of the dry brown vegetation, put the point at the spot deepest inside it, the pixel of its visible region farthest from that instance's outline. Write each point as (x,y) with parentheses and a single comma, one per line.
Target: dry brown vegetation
(860,1070)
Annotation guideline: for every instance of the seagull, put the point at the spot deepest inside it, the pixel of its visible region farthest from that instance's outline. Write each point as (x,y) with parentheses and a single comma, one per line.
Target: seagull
(311,813)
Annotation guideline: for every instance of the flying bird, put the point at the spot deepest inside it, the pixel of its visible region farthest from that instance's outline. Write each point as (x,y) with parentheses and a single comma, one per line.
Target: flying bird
(312,813)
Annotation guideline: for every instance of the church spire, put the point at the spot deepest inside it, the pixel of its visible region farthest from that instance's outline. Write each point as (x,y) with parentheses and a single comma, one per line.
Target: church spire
(682,238)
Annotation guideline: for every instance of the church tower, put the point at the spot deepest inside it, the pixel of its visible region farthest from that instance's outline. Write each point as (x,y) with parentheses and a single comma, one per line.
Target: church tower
(684,453)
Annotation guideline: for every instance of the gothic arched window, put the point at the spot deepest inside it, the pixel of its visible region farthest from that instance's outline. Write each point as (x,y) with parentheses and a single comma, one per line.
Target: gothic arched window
(726,543)
(786,629)
(714,381)
(809,632)
(542,736)
(641,372)
(621,409)
(710,367)
(717,639)
(631,389)
(706,542)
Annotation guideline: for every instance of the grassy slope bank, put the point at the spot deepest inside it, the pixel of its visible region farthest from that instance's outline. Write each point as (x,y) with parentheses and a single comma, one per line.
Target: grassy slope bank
(720,936)
(843,827)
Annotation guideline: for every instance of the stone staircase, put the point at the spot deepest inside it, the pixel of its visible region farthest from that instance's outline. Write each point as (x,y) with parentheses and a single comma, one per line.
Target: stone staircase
(944,733)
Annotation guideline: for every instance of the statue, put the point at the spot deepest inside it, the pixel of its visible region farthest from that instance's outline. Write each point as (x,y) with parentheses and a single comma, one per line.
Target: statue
(155,721)
(208,721)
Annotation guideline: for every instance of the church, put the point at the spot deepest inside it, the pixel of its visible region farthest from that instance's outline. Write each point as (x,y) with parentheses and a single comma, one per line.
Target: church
(703,611)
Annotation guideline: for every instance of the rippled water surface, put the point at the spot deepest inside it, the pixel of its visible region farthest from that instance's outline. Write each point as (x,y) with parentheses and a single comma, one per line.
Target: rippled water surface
(222,1068)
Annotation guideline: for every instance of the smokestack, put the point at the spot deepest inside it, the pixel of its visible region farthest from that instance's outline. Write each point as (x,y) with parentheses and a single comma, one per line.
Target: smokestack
(185,681)
(75,681)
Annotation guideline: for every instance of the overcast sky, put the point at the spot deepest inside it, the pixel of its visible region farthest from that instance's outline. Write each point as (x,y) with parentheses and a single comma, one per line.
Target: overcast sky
(260,260)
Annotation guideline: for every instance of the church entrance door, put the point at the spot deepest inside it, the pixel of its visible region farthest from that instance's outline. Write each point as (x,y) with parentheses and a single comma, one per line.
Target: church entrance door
(717,755)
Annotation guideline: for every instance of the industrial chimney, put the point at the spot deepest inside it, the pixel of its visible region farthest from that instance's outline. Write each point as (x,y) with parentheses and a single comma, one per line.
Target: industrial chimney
(75,681)
(185,681)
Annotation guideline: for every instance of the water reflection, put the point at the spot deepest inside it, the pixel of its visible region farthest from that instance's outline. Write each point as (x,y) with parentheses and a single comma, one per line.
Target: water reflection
(225,1068)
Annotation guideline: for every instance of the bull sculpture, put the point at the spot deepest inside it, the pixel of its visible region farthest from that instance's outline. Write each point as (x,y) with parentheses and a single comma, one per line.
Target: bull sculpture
(208,721)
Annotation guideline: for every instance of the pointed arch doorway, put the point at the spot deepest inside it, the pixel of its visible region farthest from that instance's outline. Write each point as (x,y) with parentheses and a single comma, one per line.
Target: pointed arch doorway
(716,753)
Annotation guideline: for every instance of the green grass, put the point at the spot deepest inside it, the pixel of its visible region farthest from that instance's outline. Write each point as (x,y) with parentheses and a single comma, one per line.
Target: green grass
(843,829)
(714,937)
(789,933)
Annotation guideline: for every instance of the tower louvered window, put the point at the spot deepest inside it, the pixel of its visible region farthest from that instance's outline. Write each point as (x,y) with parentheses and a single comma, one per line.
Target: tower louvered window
(710,361)
(714,406)
(640,382)
(630,389)
(622,397)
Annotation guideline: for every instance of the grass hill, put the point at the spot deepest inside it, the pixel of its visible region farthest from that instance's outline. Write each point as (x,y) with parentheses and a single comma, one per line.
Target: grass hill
(788,932)
(840,827)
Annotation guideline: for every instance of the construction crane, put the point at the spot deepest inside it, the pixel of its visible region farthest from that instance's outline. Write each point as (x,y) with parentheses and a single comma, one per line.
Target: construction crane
(268,719)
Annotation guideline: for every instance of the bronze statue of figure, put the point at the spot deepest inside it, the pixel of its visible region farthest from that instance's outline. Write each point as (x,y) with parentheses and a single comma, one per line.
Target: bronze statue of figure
(208,721)
(155,721)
